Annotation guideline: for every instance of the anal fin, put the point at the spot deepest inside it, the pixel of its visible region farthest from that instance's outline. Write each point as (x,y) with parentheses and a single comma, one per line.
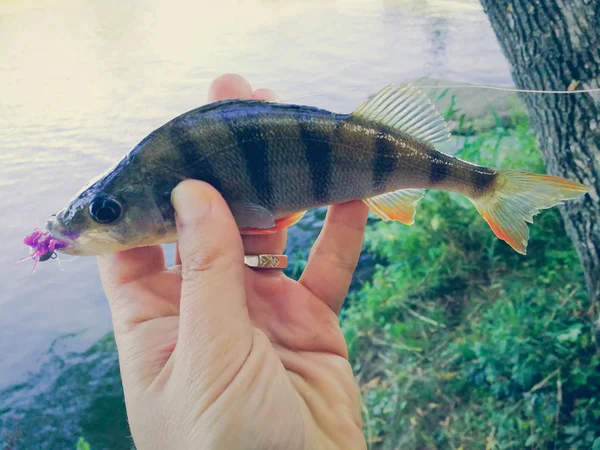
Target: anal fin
(399,205)
(280,224)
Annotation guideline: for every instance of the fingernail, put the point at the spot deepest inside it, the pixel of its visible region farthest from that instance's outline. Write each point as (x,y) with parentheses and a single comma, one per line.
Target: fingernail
(191,200)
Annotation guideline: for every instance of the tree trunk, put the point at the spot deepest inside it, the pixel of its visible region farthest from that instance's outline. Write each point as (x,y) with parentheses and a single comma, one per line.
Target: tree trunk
(555,45)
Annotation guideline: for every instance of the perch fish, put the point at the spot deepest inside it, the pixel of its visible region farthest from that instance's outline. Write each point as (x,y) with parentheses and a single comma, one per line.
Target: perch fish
(273,161)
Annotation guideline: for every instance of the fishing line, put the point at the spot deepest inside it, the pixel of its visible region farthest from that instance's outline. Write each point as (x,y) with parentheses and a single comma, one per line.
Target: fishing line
(498,88)
(60,261)
(469,86)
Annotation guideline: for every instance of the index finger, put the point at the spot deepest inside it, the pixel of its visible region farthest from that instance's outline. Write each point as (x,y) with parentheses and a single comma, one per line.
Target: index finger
(120,268)
(120,272)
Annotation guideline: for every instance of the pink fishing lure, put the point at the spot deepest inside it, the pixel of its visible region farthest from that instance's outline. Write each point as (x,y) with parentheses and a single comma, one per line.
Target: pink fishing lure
(43,246)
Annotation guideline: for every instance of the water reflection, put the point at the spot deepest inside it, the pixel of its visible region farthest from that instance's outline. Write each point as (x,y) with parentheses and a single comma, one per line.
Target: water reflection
(438,37)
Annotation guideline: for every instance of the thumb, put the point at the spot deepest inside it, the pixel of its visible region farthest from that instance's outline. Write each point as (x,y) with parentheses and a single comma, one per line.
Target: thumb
(213,311)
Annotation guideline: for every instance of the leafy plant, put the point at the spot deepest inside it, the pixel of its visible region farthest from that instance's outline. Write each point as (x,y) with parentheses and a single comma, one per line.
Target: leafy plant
(82,444)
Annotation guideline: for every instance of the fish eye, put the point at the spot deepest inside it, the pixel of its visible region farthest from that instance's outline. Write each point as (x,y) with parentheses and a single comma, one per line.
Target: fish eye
(104,209)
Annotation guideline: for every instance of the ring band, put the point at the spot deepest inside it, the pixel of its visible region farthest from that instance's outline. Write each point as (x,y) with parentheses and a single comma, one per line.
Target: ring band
(266,261)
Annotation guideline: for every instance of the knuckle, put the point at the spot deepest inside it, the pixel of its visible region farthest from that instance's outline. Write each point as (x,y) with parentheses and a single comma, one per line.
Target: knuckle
(199,260)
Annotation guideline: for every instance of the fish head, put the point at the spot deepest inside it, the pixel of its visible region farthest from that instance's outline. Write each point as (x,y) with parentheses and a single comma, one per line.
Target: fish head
(117,212)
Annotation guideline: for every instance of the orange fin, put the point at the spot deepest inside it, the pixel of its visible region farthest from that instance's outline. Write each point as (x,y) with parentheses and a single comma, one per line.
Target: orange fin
(399,205)
(280,224)
(519,197)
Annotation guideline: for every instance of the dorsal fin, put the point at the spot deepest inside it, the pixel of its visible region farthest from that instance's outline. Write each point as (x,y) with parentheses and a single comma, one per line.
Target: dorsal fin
(406,109)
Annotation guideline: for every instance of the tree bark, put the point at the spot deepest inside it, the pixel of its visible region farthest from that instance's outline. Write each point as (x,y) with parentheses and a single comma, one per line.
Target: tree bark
(555,45)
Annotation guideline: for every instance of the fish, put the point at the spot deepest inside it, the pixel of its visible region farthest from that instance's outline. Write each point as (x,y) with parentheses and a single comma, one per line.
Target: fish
(273,161)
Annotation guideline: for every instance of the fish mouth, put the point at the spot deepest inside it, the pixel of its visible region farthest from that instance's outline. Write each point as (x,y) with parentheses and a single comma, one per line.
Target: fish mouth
(62,237)
(58,231)
(66,239)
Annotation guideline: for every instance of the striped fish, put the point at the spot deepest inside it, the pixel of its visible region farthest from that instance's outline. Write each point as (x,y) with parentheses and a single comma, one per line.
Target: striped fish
(272,162)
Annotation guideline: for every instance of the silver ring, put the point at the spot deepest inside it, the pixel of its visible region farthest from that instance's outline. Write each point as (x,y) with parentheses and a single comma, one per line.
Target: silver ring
(266,261)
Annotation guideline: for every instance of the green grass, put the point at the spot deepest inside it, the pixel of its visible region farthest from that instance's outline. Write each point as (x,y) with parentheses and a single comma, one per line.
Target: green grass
(458,342)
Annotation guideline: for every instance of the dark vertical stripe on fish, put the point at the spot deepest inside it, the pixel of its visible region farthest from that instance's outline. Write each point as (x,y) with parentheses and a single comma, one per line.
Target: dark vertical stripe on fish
(167,173)
(255,150)
(195,165)
(438,170)
(384,164)
(318,154)
(482,179)
(161,189)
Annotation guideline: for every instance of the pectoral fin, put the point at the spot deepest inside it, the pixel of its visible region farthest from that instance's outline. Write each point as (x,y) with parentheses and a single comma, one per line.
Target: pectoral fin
(251,215)
(280,224)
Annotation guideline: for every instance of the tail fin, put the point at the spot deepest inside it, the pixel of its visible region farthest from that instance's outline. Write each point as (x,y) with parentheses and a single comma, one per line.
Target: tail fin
(517,198)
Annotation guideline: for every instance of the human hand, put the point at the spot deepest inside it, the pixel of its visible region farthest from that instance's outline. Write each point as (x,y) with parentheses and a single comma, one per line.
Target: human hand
(215,355)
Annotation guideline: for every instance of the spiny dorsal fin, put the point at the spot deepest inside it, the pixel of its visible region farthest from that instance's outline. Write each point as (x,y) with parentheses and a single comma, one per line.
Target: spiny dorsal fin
(406,109)
(399,205)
